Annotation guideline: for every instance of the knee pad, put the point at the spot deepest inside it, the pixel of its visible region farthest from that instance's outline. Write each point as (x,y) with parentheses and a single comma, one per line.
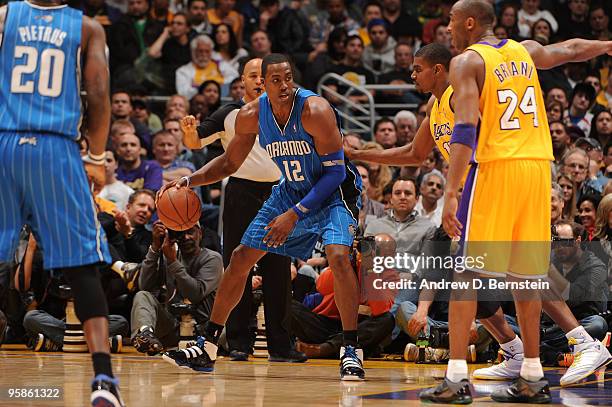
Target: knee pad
(486,309)
(89,298)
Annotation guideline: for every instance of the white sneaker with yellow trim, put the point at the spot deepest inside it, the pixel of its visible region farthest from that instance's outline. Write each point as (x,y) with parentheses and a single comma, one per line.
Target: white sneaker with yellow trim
(589,356)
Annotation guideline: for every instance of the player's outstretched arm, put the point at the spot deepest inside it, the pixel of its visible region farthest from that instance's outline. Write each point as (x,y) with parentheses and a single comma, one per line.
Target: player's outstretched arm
(411,154)
(96,84)
(464,71)
(574,50)
(237,150)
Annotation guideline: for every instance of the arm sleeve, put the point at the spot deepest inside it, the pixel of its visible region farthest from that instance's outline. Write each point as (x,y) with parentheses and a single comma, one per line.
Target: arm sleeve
(334,173)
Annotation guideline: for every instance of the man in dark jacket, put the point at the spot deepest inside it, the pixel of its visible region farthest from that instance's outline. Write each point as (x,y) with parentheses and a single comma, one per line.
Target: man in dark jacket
(167,277)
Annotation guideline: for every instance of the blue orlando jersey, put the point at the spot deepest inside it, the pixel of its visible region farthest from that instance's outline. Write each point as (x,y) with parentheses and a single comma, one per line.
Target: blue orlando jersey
(293,151)
(40,68)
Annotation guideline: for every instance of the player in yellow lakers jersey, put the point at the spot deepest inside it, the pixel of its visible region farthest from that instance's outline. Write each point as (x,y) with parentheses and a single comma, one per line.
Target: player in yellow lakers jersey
(507,194)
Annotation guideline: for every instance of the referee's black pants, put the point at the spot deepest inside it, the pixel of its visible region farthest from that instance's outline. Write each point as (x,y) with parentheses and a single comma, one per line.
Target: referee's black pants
(243,199)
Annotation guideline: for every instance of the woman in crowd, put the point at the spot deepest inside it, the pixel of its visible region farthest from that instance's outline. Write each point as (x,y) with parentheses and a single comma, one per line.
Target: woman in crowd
(508,19)
(587,210)
(602,131)
(226,45)
(569,196)
(380,174)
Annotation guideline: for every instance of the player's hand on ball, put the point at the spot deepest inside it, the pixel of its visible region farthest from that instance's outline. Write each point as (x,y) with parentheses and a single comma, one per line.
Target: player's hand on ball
(280,228)
(450,223)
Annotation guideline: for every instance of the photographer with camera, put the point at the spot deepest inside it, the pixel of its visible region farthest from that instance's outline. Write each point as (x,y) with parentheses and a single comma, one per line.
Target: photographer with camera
(168,277)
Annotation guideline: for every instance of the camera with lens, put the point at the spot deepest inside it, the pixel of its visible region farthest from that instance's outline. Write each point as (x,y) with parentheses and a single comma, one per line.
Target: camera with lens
(175,236)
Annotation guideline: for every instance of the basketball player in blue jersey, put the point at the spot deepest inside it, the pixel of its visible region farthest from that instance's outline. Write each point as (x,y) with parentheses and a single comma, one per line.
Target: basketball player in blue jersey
(318,197)
(44,48)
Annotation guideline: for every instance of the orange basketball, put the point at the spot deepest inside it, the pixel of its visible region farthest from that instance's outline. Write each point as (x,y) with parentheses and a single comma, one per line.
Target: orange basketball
(178,208)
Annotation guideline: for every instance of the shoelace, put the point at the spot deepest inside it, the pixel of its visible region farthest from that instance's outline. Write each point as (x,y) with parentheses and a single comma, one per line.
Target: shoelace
(350,359)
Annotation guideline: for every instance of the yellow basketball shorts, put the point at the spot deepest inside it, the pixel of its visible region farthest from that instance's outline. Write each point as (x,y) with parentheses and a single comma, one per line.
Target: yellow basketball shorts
(505,213)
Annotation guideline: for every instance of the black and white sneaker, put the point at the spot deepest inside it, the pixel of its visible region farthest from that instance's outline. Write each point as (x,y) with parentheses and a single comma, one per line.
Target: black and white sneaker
(448,392)
(351,363)
(200,356)
(40,343)
(105,392)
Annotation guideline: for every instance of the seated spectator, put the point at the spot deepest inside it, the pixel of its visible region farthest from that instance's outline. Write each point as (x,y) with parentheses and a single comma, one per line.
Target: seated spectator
(443,37)
(569,196)
(353,140)
(557,203)
(508,19)
(118,128)
(44,322)
(599,22)
(501,33)
(122,109)
(403,26)
(602,130)
(529,13)
(237,91)
(385,133)
(160,11)
(541,32)
(131,224)
(172,49)
(401,74)
(369,209)
(592,147)
(380,174)
(316,322)
(603,235)
(430,201)
(114,190)
(203,66)
(260,45)
(351,68)
(189,273)
(578,113)
(134,171)
(226,45)
(142,113)
(335,17)
(406,125)
(165,151)
(196,157)
(554,111)
(224,12)
(371,10)
(198,18)
(582,275)
(325,56)
(103,13)
(574,23)
(211,90)
(177,107)
(557,94)
(429,27)
(128,39)
(561,141)
(402,222)
(379,56)
(576,164)
(587,210)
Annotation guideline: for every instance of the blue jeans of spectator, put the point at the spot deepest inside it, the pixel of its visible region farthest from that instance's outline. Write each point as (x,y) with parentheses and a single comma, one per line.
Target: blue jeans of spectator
(405,312)
(553,338)
(37,321)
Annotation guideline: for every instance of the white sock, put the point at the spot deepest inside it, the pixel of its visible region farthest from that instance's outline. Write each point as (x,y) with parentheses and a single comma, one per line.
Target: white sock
(457,370)
(580,334)
(531,369)
(513,347)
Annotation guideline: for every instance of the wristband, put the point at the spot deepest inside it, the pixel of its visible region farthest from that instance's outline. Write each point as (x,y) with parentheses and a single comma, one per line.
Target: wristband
(465,134)
(96,157)
(300,210)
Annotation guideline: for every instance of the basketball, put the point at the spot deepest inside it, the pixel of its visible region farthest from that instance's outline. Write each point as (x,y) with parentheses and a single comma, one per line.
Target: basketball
(178,208)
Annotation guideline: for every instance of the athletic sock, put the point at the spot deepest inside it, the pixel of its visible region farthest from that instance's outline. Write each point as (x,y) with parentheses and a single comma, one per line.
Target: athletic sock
(102,364)
(513,347)
(349,338)
(580,334)
(212,332)
(457,370)
(531,369)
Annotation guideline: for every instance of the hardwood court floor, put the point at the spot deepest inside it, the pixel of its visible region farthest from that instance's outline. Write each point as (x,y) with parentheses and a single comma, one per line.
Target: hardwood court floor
(149,381)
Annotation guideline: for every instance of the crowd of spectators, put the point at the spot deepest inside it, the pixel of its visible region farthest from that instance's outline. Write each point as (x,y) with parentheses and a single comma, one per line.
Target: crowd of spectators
(190,53)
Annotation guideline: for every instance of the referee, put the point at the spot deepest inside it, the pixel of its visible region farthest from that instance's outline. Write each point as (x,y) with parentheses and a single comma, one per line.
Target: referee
(247,190)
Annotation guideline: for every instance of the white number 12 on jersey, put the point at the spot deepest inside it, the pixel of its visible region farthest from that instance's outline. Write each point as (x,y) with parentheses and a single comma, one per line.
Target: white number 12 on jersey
(293,174)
